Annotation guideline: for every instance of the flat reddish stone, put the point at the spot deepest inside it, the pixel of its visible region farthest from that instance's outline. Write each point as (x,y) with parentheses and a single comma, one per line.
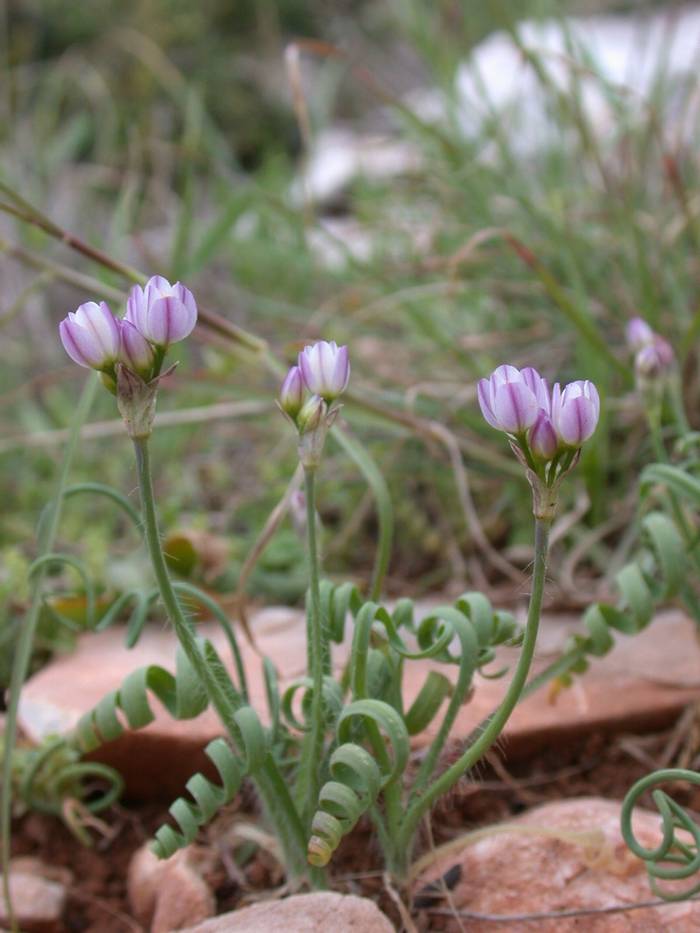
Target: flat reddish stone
(562,856)
(155,761)
(169,895)
(642,684)
(302,913)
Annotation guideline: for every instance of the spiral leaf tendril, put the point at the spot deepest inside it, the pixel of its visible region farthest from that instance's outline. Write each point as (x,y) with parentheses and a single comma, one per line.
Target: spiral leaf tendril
(209,797)
(382,643)
(657,575)
(677,857)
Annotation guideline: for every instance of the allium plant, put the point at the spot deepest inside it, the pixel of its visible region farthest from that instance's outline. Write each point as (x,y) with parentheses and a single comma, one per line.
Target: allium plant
(335,748)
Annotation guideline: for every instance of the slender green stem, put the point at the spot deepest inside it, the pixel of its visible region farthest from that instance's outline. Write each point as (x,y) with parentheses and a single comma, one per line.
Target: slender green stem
(654,421)
(272,786)
(318,653)
(495,723)
(26,638)
(183,628)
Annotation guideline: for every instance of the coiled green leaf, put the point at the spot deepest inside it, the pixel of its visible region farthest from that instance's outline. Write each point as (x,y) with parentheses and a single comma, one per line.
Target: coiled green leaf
(53,772)
(184,698)
(384,641)
(182,695)
(208,796)
(675,478)
(357,776)
(332,702)
(677,857)
(54,559)
(657,575)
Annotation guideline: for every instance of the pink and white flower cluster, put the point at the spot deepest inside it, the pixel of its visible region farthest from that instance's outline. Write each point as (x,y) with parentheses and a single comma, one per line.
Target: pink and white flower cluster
(520,402)
(323,370)
(307,395)
(653,354)
(156,316)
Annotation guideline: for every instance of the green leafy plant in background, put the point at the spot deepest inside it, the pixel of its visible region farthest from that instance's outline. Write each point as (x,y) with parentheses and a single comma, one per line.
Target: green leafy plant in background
(519,245)
(675,482)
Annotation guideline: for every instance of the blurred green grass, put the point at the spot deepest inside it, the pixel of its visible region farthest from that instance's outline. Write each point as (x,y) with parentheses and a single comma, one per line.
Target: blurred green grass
(164,134)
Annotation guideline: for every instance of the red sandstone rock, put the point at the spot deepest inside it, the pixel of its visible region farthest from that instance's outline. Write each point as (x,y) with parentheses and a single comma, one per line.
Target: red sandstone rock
(643,684)
(168,895)
(551,861)
(303,913)
(37,901)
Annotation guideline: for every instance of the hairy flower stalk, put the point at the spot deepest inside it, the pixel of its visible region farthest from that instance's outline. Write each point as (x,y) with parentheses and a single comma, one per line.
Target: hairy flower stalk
(273,788)
(419,805)
(129,353)
(546,429)
(323,370)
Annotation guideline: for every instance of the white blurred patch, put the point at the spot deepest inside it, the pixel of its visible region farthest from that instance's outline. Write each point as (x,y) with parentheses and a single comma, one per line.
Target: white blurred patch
(610,64)
(340,155)
(604,59)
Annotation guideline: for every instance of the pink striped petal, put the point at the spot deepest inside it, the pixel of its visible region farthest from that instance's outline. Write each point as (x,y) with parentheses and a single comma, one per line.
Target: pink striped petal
(484,395)
(169,320)
(539,387)
(577,420)
(515,407)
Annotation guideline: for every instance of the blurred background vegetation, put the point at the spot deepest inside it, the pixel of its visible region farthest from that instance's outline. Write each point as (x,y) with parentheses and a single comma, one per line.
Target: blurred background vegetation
(167,134)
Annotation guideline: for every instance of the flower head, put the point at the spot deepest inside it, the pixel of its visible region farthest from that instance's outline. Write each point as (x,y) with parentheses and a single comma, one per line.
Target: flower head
(162,312)
(325,369)
(539,387)
(508,399)
(546,428)
(653,355)
(90,336)
(292,393)
(575,412)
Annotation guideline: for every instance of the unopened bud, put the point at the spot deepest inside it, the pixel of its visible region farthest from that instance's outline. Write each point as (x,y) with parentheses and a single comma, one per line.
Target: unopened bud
(292,393)
(312,414)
